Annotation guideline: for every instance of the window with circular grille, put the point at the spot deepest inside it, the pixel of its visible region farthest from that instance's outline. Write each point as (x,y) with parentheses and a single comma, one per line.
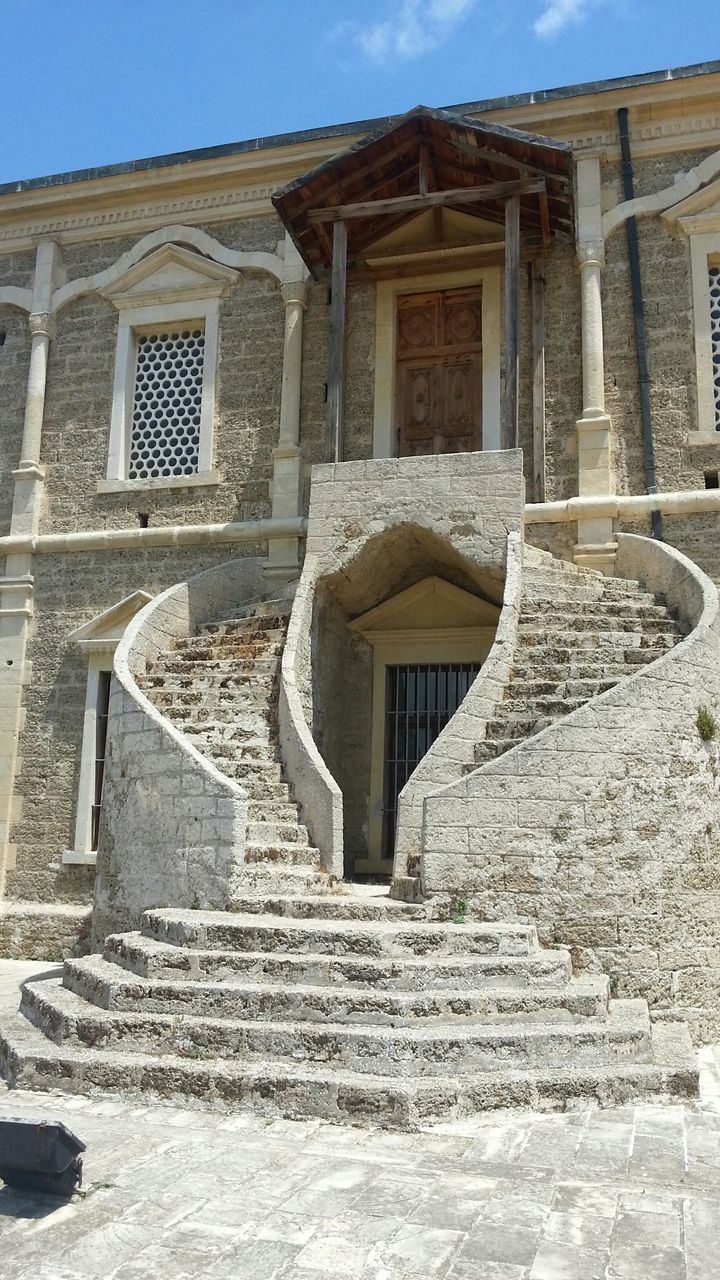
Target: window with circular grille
(167,403)
(714,282)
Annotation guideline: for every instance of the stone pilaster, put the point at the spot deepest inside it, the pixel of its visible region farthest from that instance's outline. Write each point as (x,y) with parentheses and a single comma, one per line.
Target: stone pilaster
(16,586)
(595,540)
(284,553)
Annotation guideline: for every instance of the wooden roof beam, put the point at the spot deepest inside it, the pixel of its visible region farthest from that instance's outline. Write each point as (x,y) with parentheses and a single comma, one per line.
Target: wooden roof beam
(501,157)
(408,204)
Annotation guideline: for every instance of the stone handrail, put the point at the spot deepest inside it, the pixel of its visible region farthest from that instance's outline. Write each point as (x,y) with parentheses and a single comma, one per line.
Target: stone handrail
(173,827)
(315,788)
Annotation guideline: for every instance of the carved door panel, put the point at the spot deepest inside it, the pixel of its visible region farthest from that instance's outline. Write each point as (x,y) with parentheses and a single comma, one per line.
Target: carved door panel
(438,401)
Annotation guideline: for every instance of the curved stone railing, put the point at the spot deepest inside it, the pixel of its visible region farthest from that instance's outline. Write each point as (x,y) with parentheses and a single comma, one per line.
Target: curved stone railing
(453,749)
(316,790)
(173,827)
(601,829)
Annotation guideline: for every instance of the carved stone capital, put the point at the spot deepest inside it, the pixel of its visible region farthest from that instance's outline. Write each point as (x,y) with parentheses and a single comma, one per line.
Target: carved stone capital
(295,291)
(42,324)
(591,253)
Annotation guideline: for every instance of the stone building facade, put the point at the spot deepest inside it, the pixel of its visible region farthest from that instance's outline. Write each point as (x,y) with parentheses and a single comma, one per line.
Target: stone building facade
(185,263)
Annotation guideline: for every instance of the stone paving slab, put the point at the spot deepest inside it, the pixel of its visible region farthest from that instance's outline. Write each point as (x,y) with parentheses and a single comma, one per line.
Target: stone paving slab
(627,1194)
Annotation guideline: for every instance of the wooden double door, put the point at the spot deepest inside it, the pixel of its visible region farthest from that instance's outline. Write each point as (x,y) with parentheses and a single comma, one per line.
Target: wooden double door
(438,397)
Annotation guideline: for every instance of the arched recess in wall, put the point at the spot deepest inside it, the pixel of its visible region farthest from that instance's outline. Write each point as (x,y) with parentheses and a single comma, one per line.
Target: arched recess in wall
(208,246)
(398,635)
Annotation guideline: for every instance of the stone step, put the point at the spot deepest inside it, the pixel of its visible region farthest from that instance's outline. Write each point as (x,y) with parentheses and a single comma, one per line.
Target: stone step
(258,644)
(211,697)
(108,987)
(255,609)
(570,687)
(328,1092)
(265,878)
(561,641)
(265,791)
(274,832)
(629,609)
(351,925)
(243,685)
(548,708)
(255,774)
(534,969)
(273,811)
(516,728)
(556,591)
(439,1049)
(205,664)
(241,733)
(249,625)
(490,749)
(283,853)
(553,623)
(236,753)
(585,664)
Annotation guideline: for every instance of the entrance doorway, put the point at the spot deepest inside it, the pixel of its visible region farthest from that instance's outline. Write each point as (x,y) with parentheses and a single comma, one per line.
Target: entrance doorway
(438,403)
(420,700)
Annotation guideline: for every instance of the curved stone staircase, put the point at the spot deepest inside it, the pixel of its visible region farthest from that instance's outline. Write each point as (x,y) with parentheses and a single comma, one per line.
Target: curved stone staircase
(220,688)
(579,634)
(312,998)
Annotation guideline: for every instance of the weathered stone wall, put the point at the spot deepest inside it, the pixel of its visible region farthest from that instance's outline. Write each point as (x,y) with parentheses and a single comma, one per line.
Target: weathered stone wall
(69,591)
(79,402)
(665,271)
(563,372)
(603,829)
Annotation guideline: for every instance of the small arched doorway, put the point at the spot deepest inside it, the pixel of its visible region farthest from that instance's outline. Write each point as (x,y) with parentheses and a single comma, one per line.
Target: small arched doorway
(428,645)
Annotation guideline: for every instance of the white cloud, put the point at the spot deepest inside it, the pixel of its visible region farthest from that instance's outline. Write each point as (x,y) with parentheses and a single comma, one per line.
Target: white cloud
(414,28)
(558,14)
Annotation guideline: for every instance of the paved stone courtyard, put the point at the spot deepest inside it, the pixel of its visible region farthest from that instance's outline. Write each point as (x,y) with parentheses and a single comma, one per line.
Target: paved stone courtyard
(628,1194)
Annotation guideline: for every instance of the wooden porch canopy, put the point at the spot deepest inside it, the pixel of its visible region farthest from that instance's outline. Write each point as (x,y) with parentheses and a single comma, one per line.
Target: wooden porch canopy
(423,160)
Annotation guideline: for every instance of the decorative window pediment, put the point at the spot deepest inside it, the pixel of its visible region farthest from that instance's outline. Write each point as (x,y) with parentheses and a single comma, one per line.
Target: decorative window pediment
(102,633)
(698,212)
(432,607)
(170,274)
(161,431)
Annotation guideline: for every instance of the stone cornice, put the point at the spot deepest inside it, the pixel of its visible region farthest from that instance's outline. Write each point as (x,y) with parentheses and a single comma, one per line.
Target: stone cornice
(665,116)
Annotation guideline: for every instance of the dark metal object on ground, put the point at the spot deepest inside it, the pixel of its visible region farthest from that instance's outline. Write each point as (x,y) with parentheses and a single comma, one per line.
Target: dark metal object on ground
(40,1156)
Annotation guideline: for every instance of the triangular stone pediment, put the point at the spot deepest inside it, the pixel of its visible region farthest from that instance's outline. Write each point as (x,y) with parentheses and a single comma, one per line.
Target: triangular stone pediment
(702,206)
(107,628)
(170,273)
(430,605)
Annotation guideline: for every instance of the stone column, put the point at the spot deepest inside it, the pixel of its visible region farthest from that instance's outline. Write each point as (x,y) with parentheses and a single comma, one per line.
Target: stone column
(284,553)
(16,585)
(595,544)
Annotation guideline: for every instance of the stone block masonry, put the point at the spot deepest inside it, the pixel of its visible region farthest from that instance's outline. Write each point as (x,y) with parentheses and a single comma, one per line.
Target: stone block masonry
(173,827)
(603,828)
(374,528)
(69,591)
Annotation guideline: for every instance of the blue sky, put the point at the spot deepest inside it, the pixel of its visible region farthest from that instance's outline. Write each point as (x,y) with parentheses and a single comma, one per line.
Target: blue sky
(93,82)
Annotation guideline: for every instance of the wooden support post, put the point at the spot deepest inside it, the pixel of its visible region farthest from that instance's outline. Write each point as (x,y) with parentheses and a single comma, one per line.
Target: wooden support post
(509,432)
(336,352)
(538,391)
